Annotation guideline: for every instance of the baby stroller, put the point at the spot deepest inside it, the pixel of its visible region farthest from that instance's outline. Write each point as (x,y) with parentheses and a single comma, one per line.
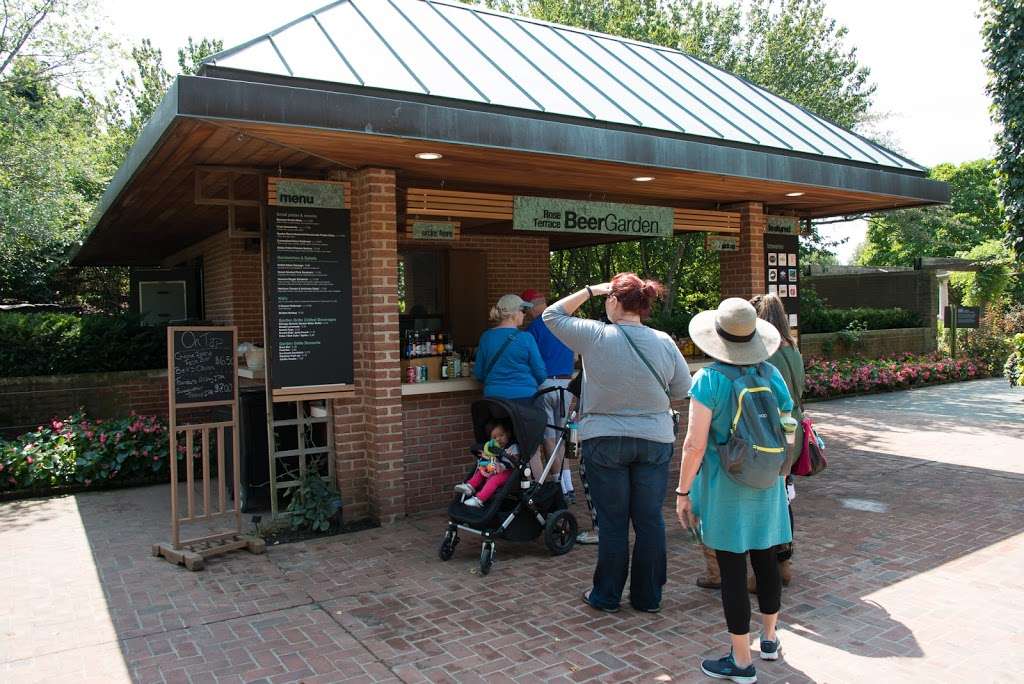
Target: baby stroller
(522,509)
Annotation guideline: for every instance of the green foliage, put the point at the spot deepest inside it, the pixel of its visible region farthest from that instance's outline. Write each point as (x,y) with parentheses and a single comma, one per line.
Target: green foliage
(57,344)
(990,344)
(1003,32)
(973,216)
(1013,370)
(78,451)
(852,320)
(315,504)
(58,151)
(790,48)
(982,287)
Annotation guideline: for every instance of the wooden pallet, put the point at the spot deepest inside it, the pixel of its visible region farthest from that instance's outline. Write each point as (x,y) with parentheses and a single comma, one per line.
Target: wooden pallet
(193,555)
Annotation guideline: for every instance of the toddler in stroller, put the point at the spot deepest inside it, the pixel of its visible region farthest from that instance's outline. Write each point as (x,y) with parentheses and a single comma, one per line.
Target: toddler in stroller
(518,508)
(498,459)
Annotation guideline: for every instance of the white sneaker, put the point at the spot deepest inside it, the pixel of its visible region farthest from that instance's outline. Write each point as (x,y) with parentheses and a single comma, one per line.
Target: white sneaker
(474,502)
(587,537)
(464,488)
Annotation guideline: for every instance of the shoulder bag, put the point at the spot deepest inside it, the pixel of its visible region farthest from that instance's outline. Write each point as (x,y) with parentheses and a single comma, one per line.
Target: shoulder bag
(657,378)
(811,460)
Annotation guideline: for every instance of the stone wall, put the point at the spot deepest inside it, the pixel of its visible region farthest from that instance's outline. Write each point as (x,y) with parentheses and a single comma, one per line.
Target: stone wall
(874,343)
(25,403)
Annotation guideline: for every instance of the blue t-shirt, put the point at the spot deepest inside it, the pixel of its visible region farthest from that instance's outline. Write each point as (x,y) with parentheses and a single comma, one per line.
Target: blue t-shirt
(734,517)
(558,358)
(519,370)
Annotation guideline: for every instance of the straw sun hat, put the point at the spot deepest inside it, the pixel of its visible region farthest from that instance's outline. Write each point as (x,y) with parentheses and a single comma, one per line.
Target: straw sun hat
(734,334)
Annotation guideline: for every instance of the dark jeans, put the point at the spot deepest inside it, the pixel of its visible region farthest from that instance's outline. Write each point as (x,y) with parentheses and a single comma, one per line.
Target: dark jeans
(628,477)
(735,599)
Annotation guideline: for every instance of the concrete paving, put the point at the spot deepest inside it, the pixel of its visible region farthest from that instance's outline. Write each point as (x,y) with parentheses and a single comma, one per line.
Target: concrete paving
(909,551)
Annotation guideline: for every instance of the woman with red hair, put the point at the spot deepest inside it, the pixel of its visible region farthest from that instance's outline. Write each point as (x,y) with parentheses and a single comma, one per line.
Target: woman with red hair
(631,373)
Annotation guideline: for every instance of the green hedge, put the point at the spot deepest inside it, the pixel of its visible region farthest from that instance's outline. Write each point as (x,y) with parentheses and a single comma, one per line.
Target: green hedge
(834,320)
(60,343)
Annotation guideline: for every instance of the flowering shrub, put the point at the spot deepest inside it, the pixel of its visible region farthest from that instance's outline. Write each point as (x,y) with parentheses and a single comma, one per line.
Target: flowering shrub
(826,378)
(80,451)
(1014,368)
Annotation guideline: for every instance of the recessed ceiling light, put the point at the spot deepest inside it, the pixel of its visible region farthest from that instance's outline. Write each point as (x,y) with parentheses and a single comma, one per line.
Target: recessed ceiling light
(794,194)
(429,155)
(643,179)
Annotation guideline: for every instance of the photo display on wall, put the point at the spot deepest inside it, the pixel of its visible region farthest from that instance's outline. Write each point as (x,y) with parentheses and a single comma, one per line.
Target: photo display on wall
(782,272)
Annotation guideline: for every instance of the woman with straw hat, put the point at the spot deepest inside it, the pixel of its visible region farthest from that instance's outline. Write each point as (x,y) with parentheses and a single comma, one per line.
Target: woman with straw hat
(733,519)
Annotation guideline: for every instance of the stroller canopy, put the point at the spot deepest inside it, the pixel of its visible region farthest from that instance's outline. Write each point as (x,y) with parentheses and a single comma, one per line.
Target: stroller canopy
(527,417)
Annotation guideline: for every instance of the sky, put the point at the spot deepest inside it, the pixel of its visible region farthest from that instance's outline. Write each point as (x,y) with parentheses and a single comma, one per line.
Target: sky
(924,55)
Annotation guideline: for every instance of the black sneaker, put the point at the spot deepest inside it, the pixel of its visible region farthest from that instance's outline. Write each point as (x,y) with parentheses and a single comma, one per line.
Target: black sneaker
(726,668)
(770,649)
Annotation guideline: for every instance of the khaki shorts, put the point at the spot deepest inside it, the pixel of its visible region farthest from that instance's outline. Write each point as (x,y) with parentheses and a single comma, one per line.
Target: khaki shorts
(554,405)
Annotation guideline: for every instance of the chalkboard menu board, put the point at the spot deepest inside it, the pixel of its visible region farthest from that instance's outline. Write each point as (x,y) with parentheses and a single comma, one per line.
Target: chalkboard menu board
(202,364)
(782,272)
(310,277)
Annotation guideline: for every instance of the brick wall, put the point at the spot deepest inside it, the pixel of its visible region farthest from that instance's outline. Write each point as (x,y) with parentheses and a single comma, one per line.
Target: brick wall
(742,271)
(437,432)
(232,278)
(25,403)
(874,343)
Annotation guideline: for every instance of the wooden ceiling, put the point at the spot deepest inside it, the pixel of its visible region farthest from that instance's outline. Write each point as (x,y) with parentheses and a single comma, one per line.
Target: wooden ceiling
(156,215)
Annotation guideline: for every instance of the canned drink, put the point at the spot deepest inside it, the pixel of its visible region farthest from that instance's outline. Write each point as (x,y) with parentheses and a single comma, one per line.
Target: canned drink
(424,376)
(410,374)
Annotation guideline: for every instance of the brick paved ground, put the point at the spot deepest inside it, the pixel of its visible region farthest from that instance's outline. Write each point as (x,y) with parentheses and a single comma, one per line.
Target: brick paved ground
(909,558)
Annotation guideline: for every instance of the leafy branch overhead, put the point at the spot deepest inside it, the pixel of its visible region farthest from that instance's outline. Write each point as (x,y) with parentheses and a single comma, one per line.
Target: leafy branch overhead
(1004,46)
(60,142)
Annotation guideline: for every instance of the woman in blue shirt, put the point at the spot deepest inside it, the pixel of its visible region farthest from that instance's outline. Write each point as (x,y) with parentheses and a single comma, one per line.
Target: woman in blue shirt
(733,519)
(508,361)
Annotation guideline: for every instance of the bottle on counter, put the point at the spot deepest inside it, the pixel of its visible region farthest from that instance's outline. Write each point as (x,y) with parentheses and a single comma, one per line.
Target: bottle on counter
(444,368)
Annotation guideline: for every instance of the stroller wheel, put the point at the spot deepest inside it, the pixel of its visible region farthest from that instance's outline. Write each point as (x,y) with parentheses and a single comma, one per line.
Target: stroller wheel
(560,532)
(486,557)
(448,544)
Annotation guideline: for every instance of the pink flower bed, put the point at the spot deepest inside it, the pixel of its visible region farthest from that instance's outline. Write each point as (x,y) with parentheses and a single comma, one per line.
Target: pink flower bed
(825,379)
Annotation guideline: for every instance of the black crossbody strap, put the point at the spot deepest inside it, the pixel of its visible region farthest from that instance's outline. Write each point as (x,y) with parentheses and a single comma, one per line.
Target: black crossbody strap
(497,356)
(646,362)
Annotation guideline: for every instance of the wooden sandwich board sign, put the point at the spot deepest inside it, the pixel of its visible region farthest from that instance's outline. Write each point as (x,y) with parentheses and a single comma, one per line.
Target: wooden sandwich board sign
(202,372)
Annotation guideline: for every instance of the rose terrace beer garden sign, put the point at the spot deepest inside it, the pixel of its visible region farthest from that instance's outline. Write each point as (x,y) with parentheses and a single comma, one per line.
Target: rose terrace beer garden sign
(545,214)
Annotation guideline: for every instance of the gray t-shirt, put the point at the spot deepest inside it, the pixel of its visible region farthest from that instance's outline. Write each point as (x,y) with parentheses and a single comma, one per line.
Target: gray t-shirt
(621,398)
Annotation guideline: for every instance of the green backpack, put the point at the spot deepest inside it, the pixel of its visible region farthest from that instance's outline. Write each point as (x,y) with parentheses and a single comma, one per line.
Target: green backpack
(755,452)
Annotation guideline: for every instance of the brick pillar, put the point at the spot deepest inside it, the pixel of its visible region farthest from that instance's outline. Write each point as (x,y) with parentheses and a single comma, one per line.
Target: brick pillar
(742,272)
(375,332)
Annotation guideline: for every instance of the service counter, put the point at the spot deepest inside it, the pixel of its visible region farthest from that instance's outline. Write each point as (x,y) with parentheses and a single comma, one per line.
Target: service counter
(472,384)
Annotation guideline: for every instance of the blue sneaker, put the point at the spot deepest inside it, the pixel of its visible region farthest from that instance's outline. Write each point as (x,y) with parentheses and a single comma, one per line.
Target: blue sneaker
(726,668)
(770,649)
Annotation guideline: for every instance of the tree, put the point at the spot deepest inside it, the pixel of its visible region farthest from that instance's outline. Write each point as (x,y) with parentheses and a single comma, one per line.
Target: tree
(974,215)
(137,93)
(789,47)
(61,37)
(1003,32)
(57,154)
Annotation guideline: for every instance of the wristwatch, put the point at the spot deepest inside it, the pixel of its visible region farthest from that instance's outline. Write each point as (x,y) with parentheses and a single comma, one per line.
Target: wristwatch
(679,493)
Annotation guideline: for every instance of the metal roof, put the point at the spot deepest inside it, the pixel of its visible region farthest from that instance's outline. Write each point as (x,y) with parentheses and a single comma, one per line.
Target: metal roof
(462,52)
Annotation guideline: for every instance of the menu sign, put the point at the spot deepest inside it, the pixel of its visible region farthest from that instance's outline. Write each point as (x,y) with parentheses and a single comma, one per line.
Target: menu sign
(202,364)
(782,271)
(544,214)
(310,277)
